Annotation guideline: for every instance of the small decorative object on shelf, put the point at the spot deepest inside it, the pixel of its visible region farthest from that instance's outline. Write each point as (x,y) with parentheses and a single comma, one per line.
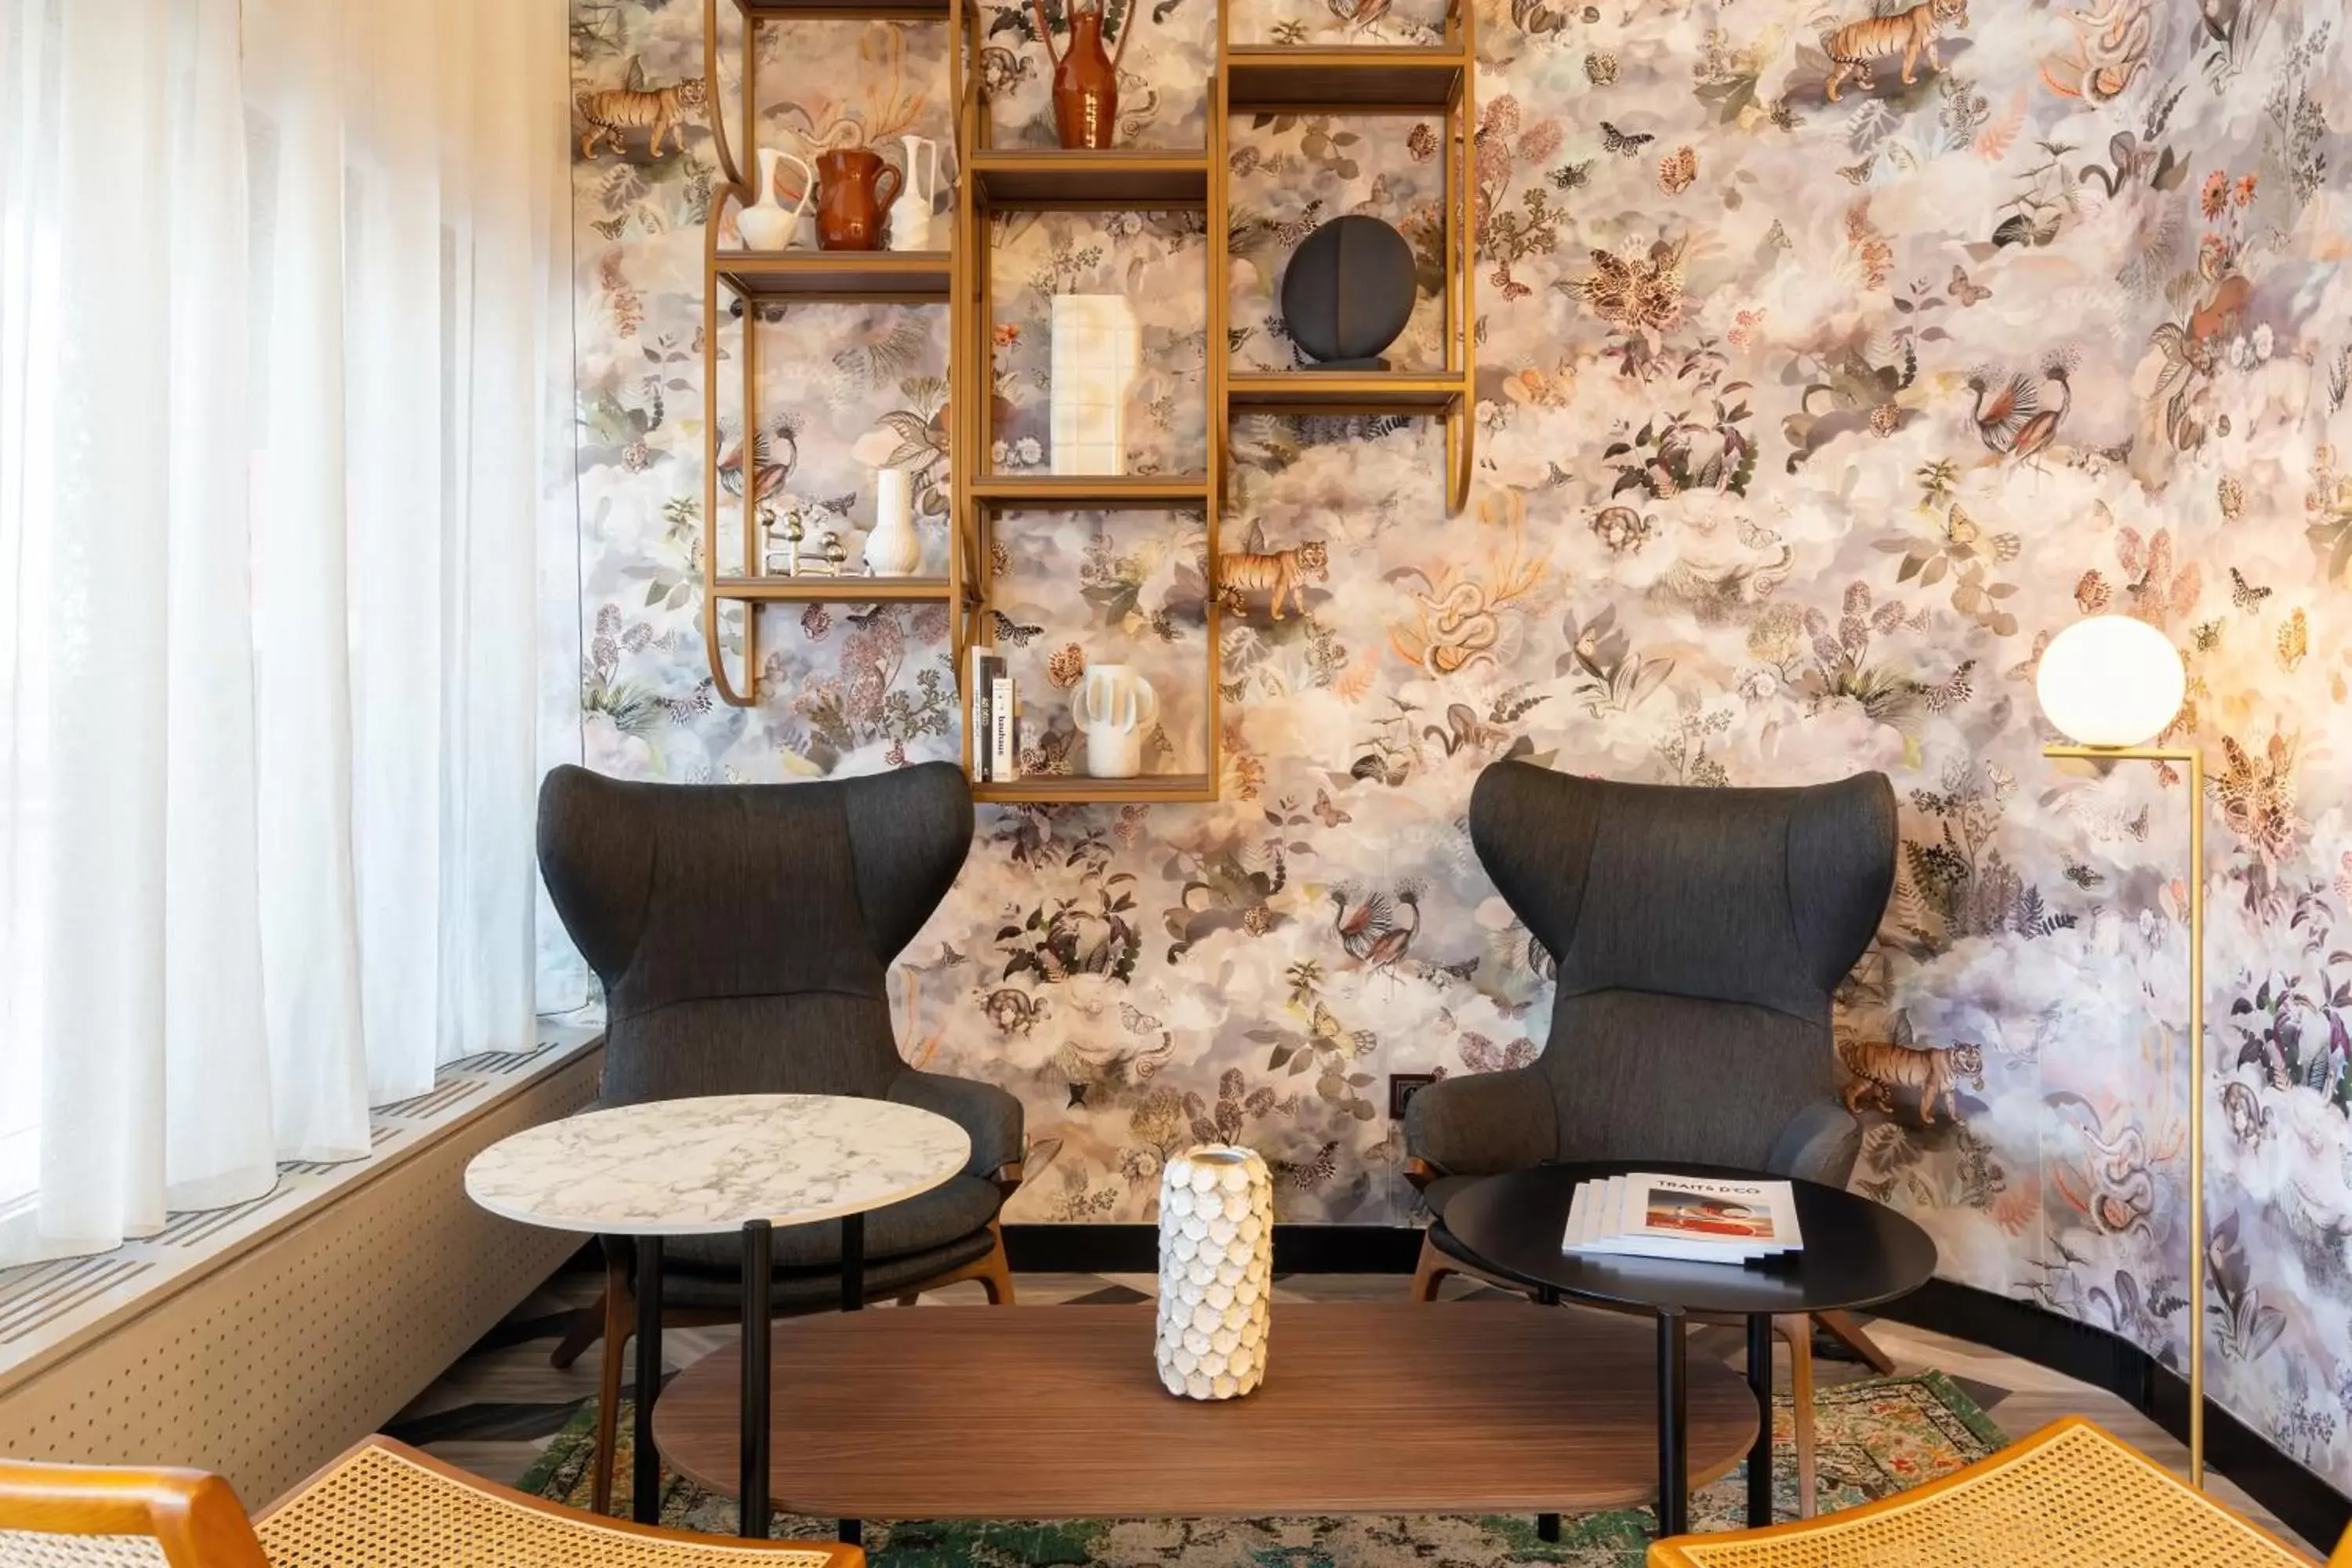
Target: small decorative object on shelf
(1003,728)
(832,554)
(1086,77)
(851,183)
(913,225)
(786,562)
(1348,293)
(1216,1272)
(1114,709)
(767,224)
(893,549)
(1097,347)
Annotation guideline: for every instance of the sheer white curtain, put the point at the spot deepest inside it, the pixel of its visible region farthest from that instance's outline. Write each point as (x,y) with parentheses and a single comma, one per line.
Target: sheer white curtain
(284,364)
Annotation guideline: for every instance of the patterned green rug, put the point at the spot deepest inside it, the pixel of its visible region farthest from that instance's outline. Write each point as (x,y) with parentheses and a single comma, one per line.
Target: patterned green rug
(1875,1436)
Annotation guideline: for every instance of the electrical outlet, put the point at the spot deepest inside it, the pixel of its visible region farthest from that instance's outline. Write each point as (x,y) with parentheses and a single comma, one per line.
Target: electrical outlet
(1402,1086)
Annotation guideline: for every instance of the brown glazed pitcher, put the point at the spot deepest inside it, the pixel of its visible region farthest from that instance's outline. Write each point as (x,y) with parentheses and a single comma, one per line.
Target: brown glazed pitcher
(1085,78)
(854,187)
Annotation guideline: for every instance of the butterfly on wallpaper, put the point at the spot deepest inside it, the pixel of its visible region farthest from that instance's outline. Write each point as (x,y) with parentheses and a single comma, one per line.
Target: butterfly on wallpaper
(1008,630)
(1135,1021)
(610,228)
(1447,1023)
(1952,692)
(1360,1042)
(1312,1173)
(1626,145)
(2208,634)
(1480,1054)
(2082,876)
(2092,593)
(1966,292)
(1855,174)
(1050,753)
(1569,176)
(2244,594)
(1332,817)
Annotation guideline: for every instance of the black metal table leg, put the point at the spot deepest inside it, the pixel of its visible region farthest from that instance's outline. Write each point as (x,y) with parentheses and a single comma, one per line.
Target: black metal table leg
(758,1251)
(852,1298)
(1760,1455)
(1548,1527)
(1673,1423)
(644,1463)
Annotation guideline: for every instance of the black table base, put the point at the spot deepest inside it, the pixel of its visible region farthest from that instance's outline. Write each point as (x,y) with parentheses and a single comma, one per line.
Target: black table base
(756,1439)
(1760,1383)
(645,1461)
(1673,1421)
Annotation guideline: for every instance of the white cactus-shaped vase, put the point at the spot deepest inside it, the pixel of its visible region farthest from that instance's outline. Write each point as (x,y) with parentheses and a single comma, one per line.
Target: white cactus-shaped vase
(1216,1272)
(1113,709)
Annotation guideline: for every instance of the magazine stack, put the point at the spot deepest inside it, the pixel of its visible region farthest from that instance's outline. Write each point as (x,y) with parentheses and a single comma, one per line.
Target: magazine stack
(1689,1218)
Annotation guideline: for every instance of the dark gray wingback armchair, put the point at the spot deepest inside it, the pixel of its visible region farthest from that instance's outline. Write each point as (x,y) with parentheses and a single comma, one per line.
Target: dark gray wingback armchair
(1698,935)
(743,934)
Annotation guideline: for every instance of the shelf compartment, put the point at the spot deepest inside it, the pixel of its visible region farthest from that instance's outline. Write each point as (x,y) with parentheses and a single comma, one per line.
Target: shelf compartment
(843,10)
(1068,789)
(1090,492)
(833,590)
(1348,391)
(1263,78)
(912,275)
(1048,177)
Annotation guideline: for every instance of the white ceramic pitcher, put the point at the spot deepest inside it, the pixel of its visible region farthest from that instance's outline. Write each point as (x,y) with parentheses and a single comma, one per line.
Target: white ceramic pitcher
(1114,709)
(767,224)
(910,214)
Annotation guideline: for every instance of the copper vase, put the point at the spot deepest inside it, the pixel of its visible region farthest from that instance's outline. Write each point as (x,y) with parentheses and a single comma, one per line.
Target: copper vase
(852,189)
(1086,79)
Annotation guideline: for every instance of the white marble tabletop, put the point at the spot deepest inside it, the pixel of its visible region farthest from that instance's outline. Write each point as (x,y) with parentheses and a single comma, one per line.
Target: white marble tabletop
(698,1167)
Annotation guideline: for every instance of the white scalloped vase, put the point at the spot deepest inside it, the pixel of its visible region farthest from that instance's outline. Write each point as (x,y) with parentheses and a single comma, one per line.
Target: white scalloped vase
(1216,1272)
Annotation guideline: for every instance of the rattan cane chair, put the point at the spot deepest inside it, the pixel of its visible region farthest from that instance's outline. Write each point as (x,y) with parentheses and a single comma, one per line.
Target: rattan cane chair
(381,1505)
(2070,1496)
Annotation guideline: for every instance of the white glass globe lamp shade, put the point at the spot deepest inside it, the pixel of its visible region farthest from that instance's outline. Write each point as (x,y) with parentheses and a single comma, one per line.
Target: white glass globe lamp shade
(2111,680)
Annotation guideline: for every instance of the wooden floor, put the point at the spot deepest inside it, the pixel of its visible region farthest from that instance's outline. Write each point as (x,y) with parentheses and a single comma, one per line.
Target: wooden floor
(497,1407)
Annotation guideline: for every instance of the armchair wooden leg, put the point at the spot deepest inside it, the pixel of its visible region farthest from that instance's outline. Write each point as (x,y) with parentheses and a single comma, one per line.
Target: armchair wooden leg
(1797,1330)
(1432,1267)
(996,1270)
(1842,1327)
(587,1328)
(620,1319)
(911,1298)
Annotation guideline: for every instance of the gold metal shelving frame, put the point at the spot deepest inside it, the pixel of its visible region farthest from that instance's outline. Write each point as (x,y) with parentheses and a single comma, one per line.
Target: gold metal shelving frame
(1249,79)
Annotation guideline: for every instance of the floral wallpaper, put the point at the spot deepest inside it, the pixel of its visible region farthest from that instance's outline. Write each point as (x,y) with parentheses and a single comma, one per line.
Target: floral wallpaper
(1830,365)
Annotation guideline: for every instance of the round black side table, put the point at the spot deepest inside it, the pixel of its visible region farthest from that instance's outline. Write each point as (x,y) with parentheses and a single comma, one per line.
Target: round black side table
(1857,1254)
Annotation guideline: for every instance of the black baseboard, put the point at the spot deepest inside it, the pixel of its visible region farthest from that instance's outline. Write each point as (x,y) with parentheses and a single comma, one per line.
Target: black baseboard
(2303,1501)
(1135,1248)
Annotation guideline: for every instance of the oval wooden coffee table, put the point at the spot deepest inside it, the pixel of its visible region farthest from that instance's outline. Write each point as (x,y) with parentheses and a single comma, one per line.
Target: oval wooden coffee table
(1055,1413)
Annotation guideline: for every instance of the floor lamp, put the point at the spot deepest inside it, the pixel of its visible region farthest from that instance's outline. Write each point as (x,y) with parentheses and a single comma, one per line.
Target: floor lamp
(2110,684)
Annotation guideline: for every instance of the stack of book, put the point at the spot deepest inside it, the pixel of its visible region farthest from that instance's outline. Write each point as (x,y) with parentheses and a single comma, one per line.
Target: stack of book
(1684,1217)
(995,720)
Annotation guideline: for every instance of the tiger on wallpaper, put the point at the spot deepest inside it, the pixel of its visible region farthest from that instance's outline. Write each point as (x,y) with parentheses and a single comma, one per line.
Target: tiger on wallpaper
(1907,33)
(1882,1067)
(635,106)
(1284,570)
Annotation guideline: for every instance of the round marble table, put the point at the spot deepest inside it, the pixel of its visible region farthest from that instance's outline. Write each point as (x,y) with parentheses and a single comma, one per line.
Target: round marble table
(704,1167)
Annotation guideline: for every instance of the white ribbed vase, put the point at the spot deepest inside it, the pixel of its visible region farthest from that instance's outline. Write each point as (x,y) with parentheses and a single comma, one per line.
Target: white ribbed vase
(1216,1272)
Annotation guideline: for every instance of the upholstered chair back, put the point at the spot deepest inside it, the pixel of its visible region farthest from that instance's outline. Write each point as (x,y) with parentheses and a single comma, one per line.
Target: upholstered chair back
(1698,935)
(744,932)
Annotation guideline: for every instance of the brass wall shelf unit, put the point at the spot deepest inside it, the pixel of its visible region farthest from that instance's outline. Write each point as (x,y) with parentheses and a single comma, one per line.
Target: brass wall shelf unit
(1250,78)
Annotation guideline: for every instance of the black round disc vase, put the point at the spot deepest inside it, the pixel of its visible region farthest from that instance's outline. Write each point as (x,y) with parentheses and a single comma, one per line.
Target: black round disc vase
(1348,293)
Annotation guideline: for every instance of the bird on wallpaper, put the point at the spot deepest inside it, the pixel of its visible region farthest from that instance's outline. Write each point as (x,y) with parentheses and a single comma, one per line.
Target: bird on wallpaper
(1364,925)
(774,457)
(1389,949)
(2021,419)
(2036,433)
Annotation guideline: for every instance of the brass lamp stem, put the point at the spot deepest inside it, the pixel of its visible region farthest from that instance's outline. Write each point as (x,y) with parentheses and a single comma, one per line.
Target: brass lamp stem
(2194,761)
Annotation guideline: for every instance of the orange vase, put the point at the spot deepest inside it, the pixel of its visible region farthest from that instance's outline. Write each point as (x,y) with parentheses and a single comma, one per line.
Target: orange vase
(1085,84)
(853,188)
